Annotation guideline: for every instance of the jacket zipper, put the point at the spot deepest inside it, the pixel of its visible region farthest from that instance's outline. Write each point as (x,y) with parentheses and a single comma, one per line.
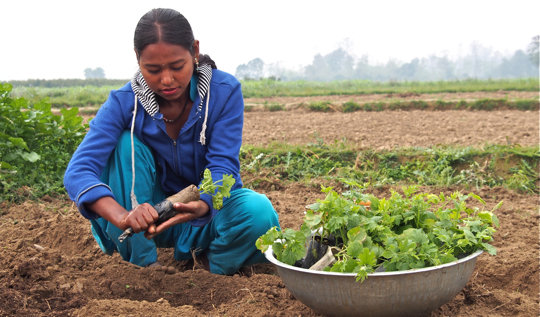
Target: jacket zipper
(174,150)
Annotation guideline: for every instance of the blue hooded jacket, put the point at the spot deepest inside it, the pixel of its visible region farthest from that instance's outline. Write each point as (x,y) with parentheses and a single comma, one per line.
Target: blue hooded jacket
(180,162)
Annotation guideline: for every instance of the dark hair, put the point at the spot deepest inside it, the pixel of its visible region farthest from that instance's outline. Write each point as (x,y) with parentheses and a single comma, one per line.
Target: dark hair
(169,26)
(164,25)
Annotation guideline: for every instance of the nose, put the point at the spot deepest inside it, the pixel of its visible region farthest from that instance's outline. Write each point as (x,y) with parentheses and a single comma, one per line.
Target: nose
(166,77)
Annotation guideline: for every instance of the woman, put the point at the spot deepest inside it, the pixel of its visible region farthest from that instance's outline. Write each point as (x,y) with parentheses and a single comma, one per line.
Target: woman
(178,116)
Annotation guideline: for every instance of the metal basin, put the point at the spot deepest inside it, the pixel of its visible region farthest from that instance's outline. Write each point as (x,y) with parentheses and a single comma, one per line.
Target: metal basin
(414,292)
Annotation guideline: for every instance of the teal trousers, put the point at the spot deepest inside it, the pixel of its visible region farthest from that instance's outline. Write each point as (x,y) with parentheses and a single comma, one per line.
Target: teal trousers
(228,239)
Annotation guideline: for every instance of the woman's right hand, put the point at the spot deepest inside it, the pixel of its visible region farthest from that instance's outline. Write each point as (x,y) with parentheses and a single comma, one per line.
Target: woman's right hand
(140,218)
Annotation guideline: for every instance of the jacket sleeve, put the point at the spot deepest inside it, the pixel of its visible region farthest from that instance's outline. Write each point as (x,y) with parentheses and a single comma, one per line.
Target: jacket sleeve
(82,176)
(224,141)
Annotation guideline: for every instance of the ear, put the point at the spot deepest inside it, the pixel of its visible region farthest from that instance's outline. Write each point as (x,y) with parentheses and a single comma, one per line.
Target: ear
(196,49)
(136,54)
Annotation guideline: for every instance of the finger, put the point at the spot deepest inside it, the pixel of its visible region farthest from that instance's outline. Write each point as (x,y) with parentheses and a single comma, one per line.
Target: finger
(150,215)
(151,229)
(179,218)
(141,225)
(135,227)
(150,232)
(177,205)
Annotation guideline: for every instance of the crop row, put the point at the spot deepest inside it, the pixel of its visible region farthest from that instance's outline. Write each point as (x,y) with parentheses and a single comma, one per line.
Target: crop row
(92,95)
(437,105)
(496,165)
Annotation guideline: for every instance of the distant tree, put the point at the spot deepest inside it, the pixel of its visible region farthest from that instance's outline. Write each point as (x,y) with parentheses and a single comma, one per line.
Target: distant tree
(480,62)
(532,50)
(445,68)
(390,71)
(90,73)
(336,65)
(408,71)
(518,66)
(318,70)
(435,68)
(362,69)
(254,69)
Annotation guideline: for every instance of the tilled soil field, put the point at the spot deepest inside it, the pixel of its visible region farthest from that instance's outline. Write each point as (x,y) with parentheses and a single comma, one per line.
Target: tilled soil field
(51,266)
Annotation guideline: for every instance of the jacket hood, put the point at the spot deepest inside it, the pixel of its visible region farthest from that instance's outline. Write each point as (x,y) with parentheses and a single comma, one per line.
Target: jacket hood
(147,97)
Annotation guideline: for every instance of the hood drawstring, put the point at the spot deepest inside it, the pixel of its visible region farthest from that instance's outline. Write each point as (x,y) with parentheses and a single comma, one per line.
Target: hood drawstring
(202,137)
(134,202)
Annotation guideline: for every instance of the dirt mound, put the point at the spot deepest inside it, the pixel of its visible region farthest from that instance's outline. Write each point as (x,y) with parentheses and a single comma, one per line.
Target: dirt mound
(52,267)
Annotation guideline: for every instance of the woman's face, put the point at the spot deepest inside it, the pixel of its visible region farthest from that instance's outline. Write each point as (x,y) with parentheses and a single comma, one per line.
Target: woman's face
(167,68)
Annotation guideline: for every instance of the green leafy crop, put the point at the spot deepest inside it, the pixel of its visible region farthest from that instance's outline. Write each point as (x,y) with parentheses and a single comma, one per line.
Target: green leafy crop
(402,232)
(35,146)
(218,192)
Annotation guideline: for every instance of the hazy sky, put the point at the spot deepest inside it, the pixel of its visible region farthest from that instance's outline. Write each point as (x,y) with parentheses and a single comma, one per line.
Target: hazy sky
(50,39)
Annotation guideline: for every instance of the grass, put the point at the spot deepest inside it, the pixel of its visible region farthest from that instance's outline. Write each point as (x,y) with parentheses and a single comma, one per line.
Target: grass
(486,104)
(272,88)
(509,166)
(61,97)
(94,95)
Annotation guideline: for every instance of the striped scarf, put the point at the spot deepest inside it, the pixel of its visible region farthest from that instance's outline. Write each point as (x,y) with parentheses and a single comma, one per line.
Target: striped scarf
(148,98)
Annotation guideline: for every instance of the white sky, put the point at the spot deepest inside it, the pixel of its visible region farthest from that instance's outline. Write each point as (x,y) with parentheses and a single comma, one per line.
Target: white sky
(50,39)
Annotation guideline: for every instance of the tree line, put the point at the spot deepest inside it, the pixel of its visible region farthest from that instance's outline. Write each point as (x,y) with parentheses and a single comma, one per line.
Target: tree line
(479,63)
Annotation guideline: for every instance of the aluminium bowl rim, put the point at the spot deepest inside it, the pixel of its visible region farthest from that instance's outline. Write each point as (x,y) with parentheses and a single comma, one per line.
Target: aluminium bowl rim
(270,257)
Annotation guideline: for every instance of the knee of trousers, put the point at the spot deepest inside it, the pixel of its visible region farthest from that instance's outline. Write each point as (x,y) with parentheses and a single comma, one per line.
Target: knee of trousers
(244,218)
(252,213)
(263,214)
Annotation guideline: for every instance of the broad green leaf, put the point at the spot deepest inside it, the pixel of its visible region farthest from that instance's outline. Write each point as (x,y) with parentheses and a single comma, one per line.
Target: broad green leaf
(19,143)
(31,157)
(358,234)
(367,258)
(311,219)
(354,248)
(489,248)
(292,252)
(267,239)
(5,166)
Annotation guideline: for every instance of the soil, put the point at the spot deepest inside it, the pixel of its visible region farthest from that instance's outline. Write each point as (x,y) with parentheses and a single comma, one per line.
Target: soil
(51,266)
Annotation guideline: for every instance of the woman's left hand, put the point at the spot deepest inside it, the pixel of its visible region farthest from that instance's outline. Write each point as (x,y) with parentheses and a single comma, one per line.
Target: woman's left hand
(186,212)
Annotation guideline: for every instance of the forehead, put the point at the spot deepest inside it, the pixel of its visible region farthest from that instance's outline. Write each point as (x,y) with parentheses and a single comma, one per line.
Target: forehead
(162,53)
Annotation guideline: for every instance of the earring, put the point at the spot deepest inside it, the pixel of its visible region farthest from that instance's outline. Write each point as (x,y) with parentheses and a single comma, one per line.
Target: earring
(196,62)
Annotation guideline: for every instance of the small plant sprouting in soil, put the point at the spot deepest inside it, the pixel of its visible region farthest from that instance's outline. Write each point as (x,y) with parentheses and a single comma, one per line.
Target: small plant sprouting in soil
(320,106)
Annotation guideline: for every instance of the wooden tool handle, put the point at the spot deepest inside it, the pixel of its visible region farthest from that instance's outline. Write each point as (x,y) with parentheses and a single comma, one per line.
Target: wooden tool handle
(190,193)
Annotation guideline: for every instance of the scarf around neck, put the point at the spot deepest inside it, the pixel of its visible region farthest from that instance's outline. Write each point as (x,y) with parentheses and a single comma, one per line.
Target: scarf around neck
(147,97)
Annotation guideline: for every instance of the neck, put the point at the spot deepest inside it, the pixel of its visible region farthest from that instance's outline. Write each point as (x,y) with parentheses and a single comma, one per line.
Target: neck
(182,100)
(174,104)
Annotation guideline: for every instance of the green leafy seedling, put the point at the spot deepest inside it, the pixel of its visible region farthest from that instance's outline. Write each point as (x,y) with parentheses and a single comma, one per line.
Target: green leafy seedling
(215,189)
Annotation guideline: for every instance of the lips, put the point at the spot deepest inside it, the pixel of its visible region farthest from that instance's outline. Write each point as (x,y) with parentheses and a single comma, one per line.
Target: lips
(169,91)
